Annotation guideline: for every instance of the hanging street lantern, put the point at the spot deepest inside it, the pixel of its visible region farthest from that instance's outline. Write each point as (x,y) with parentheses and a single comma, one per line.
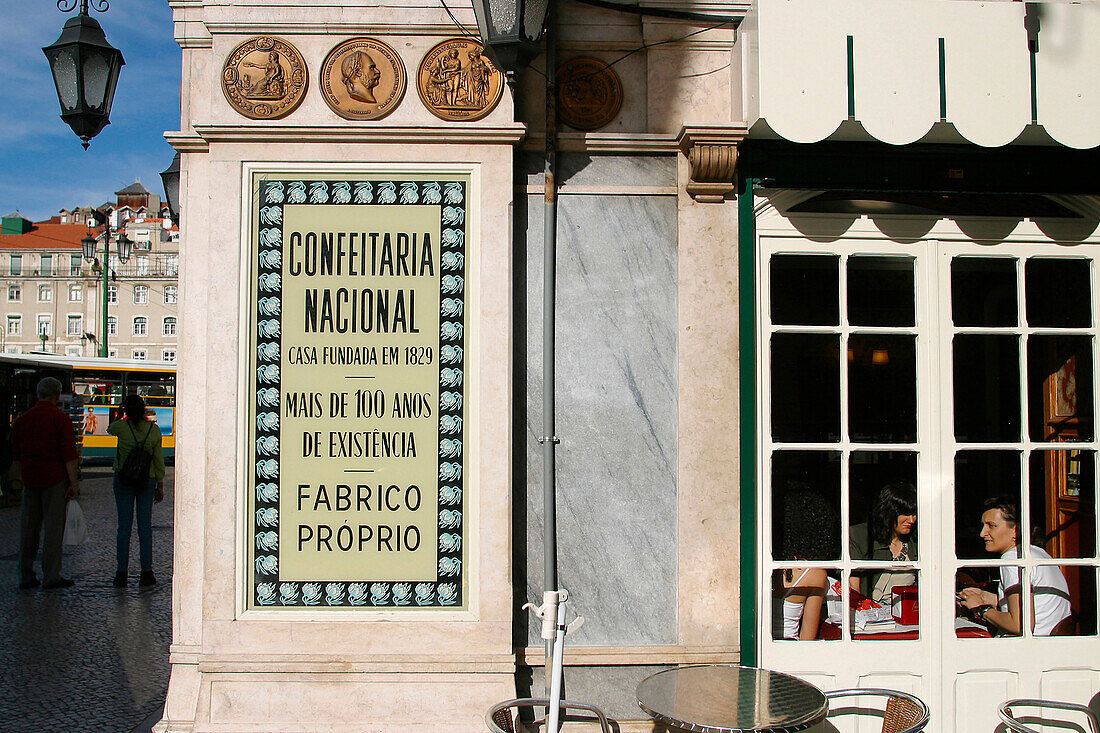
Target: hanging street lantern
(170,178)
(511,31)
(85,70)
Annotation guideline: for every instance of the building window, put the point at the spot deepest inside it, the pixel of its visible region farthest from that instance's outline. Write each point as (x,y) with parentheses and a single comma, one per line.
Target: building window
(169,326)
(74,265)
(14,350)
(168,355)
(139,354)
(143,265)
(172,265)
(141,294)
(140,325)
(112,294)
(170,295)
(15,325)
(43,324)
(16,265)
(45,293)
(45,264)
(112,353)
(112,326)
(76,292)
(75,326)
(72,351)
(15,293)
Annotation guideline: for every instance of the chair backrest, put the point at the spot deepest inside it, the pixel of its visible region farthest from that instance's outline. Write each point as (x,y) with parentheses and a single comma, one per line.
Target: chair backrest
(499,717)
(903,713)
(1010,719)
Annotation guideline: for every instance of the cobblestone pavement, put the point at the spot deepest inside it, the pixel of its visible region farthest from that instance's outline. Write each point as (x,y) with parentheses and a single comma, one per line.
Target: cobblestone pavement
(92,657)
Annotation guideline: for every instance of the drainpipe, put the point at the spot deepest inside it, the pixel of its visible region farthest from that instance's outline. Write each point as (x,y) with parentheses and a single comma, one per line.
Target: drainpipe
(746,336)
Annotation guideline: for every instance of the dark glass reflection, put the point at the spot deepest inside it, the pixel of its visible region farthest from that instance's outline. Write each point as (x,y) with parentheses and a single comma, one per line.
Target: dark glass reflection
(1063,502)
(1057,292)
(980,475)
(805,387)
(876,480)
(882,388)
(806,505)
(880,291)
(1059,381)
(986,371)
(805,290)
(983,291)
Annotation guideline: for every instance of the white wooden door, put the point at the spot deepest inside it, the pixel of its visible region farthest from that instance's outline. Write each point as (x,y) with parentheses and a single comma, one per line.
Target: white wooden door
(927,359)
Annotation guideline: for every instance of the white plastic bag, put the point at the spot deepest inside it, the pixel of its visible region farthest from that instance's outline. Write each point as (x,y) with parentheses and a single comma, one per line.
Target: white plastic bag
(76,529)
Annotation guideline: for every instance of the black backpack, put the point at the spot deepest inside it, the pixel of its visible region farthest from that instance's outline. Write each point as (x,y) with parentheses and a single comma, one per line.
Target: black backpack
(134,471)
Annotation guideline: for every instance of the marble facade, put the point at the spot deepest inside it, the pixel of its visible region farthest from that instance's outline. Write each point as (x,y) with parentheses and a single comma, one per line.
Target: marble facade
(647,392)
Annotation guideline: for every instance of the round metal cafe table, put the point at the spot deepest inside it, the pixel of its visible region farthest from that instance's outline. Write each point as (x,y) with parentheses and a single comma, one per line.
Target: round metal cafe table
(728,699)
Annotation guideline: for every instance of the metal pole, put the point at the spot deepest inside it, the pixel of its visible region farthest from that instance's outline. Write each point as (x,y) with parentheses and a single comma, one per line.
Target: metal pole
(549,276)
(106,254)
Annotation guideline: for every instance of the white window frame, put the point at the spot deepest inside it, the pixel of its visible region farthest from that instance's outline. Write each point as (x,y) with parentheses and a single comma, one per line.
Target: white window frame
(15,265)
(112,295)
(45,265)
(75,265)
(47,290)
(45,319)
(171,294)
(168,355)
(77,290)
(78,319)
(168,327)
(15,324)
(141,295)
(139,354)
(141,326)
(112,325)
(17,288)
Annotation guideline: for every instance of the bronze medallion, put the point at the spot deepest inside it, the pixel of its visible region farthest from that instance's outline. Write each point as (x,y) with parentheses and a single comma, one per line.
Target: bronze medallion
(264,78)
(457,82)
(590,94)
(363,79)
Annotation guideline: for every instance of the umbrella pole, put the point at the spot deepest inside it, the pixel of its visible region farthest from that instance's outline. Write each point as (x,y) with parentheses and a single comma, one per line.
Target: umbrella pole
(549,277)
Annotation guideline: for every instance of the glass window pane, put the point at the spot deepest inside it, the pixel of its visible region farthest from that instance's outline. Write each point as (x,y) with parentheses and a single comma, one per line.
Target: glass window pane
(805,290)
(805,604)
(1081,582)
(1057,292)
(969,623)
(987,388)
(805,505)
(882,505)
(983,291)
(1063,502)
(880,291)
(1056,593)
(891,612)
(981,475)
(1059,378)
(882,385)
(805,395)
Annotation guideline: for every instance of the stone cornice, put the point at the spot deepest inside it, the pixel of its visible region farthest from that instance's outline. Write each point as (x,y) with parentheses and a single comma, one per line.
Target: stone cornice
(606,142)
(399,134)
(711,151)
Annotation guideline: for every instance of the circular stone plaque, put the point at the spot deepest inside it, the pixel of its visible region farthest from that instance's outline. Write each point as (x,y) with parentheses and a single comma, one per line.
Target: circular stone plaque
(590,94)
(264,78)
(457,82)
(363,79)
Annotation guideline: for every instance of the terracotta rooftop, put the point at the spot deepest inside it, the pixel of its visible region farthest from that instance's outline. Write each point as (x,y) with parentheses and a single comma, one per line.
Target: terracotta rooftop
(46,235)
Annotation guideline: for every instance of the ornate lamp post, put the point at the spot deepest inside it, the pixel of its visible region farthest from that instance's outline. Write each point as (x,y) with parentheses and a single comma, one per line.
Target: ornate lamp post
(88,244)
(85,70)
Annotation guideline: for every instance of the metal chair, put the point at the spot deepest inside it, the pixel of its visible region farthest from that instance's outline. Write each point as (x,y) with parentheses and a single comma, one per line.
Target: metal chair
(1014,724)
(903,713)
(499,718)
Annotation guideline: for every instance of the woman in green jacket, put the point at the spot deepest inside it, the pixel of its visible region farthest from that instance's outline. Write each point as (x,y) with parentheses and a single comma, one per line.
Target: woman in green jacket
(136,430)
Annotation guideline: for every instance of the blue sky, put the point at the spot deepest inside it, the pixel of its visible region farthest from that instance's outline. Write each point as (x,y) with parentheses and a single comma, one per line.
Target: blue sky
(43,167)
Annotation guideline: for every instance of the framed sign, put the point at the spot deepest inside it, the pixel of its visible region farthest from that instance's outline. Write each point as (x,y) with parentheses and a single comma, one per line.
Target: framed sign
(356,461)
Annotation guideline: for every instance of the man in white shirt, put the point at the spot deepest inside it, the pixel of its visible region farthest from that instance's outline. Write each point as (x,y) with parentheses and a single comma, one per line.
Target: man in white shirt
(1049,591)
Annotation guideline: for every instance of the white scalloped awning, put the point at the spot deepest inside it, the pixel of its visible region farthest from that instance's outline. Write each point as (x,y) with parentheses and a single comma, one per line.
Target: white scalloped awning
(796,67)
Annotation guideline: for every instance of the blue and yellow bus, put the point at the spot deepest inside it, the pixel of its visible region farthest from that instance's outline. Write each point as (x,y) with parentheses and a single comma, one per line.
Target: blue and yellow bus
(92,392)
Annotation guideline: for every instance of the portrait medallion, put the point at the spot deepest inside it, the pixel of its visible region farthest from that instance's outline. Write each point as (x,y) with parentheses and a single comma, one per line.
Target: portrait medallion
(590,94)
(457,82)
(363,79)
(264,78)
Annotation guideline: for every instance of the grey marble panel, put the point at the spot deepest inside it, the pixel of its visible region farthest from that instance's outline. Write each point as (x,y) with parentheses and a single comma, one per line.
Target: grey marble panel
(616,415)
(581,169)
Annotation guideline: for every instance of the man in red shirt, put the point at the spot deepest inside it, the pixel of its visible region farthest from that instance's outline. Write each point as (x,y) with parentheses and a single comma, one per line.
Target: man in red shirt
(43,443)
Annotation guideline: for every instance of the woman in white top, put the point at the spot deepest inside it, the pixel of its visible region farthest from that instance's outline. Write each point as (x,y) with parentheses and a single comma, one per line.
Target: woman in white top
(1049,590)
(810,531)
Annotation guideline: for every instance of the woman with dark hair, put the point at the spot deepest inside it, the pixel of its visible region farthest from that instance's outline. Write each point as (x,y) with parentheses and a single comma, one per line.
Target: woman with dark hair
(809,531)
(888,535)
(1050,604)
(136,431)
